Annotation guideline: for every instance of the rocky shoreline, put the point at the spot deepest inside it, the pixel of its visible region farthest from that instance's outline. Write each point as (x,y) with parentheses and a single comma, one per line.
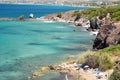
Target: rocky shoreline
(108,31)
(108,34)
(73,71)
(105,30)
(66,17)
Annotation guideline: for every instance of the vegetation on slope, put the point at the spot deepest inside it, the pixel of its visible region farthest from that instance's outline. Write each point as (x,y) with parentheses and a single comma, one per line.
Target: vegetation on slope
(103,59)
(115,75)
(94,12)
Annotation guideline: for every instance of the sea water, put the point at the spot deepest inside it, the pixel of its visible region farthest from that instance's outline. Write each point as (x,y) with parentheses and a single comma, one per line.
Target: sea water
(25,46)
(15,10)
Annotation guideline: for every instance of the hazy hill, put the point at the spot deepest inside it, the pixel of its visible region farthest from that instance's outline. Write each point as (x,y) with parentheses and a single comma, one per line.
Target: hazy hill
(53,1)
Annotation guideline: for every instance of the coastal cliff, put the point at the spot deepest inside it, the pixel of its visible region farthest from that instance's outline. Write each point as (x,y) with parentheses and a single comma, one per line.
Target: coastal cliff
(104,19)
(108,35)
(84,15)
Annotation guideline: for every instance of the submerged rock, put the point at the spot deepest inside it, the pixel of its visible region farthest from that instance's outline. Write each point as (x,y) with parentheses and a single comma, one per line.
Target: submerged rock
(36,74)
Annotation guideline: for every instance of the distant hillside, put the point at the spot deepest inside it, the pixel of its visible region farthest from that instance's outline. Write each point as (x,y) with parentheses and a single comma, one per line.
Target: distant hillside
(60,2)
(89,13)
(94,12)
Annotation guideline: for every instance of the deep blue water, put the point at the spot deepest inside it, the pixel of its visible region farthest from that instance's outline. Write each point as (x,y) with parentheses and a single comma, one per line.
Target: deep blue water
(25,46)
(14,10)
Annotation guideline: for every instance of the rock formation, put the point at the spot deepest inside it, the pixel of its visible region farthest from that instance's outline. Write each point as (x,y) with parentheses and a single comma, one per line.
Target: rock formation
(67,16)
(31,15)
(108,35)
(21,17)
(97,22)
(93,23)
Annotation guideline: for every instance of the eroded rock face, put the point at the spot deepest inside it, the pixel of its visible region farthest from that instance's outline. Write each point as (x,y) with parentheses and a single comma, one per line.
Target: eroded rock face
(94,24)
(108,35)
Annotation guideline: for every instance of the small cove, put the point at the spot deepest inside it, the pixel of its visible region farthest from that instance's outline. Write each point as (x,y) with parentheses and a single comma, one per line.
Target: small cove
(25,46)
(38,44)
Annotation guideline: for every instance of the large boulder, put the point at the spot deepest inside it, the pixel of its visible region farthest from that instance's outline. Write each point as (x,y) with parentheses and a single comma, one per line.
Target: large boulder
(31,15)
(108,35)
(97,22)
(94,24)
(21,17)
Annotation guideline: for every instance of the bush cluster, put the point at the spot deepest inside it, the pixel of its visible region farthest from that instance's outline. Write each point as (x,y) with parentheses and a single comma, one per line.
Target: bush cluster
(102,59)
(94,12)
(115,75)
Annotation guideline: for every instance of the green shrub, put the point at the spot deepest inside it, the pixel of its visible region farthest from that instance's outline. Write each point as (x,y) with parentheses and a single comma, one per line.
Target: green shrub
(113,50)
(104,62)
(101,59)
(81,58)
(76,13)
(115,75)
(91,60)
(94,12)
(94,60)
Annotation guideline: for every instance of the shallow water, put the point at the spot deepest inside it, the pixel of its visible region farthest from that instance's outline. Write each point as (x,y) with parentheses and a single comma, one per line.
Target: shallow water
(27,45)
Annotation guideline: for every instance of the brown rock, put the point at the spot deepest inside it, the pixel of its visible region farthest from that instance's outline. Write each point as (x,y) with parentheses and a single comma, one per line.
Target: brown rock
(78,24)
(108,35)
(67,16)
(37,74)
(45,69)
(21,17)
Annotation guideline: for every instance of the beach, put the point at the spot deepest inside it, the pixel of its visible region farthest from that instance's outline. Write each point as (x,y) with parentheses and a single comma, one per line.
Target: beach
(73,71)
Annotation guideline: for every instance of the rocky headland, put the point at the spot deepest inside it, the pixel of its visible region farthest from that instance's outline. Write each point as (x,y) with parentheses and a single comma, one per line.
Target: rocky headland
(107,57)
(104,25)
(68,17)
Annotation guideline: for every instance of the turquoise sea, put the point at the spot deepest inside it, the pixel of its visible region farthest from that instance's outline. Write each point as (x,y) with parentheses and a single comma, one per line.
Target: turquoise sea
(25,46)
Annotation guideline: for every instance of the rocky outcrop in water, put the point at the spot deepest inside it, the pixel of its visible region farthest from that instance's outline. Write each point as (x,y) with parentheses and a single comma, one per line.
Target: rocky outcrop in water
(108,35)
(31,15)
(21,17)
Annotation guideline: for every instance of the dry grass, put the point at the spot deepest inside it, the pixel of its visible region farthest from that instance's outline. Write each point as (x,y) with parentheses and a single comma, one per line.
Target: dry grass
(103,59)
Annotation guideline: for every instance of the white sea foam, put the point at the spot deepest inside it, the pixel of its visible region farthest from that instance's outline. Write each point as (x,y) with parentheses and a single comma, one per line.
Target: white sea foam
(60,27)
(49,21)
(93,32)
